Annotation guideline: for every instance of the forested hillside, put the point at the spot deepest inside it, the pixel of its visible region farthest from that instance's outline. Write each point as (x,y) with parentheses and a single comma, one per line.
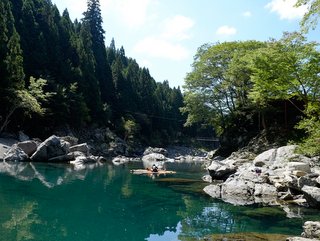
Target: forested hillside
(59,73)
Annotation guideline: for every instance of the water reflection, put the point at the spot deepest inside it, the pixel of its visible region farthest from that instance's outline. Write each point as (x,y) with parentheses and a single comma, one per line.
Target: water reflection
(50,175)
(55,202)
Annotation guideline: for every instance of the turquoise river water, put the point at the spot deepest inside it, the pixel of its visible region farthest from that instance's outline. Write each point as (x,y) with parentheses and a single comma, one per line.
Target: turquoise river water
(54,202)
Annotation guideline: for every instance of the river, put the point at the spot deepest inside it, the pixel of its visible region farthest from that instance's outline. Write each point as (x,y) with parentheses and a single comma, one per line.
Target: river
(54,202)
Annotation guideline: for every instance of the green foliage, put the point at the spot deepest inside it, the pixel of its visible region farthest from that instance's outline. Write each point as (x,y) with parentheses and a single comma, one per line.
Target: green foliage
(131,129)
(218,83)
(310,19)
(284,69)
(29,100)
(240,86)
(311,125)
(92,84)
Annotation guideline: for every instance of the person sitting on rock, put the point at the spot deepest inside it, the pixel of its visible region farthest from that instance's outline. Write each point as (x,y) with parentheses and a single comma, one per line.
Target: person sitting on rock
(154,168)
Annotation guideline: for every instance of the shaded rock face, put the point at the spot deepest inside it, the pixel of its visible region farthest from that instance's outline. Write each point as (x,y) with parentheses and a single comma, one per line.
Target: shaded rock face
(29,147)
(104,142)
(312,194)
(278,173)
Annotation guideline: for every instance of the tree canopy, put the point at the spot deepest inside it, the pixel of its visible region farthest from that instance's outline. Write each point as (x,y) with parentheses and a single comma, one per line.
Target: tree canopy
(86,82)
(232,83)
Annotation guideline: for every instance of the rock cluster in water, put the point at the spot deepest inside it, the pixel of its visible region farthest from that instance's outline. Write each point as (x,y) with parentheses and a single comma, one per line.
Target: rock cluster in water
(274,177)
(54,150)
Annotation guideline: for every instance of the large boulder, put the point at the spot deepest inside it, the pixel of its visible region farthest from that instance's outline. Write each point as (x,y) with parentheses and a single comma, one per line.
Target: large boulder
(153,157)
(15,153)
(265,158)
(213,190)
(51,147)
(311,230)
(218,171)
(312,194)
(299,166)
(29,147)
(158,150)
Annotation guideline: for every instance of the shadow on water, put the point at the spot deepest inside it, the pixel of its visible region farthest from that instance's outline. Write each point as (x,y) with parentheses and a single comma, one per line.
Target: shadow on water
(55,202)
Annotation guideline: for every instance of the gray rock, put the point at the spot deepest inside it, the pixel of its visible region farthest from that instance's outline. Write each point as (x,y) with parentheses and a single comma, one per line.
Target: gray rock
(311,230)
(82,162)
(29,147)
(71,139)
(264,189)
(62,158)
(117,147)
(312,195)
(237,187)
(300,239)
(285,153)
(213,190)
(264,157)
(299,166)
(158,150)
(51,147)
(120,160)
(84,148)
(207,178)
(219,171)
(15,154)
(153,157)
(306,181)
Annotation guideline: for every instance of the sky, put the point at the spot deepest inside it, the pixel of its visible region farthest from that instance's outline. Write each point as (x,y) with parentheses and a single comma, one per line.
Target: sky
(164,35)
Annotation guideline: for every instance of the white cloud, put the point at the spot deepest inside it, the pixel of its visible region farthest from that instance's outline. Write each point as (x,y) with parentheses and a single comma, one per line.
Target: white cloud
(176,28)
(247,14)
(167,44)
(286,10)
(226,30)
(132,12)
(161,48)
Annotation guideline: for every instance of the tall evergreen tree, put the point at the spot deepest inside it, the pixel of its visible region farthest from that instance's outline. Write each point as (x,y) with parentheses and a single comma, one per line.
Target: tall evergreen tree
(11,60)
(93,18)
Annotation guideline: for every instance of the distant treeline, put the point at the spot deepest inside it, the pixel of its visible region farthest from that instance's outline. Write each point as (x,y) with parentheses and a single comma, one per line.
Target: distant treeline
(55,72)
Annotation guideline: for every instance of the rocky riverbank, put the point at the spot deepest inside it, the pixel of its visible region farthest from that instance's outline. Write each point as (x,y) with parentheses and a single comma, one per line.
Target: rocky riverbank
(275,177)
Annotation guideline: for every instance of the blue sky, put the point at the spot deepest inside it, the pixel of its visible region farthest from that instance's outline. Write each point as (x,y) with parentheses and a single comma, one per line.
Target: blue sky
(163,35)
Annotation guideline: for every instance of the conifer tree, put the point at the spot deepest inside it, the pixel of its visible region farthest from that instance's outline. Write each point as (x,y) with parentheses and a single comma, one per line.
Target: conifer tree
(11,60)
(93,18)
